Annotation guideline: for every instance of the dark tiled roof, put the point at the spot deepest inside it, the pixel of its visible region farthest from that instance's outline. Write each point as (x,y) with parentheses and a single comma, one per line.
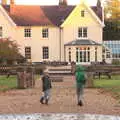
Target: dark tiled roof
(98,11)
(57,14)
(25,15)
(82,42)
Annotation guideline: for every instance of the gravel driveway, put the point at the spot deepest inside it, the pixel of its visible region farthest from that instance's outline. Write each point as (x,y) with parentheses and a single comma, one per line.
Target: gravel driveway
(63,100)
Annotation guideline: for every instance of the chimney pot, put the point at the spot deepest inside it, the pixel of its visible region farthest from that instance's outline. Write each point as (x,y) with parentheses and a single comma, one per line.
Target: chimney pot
(63,2)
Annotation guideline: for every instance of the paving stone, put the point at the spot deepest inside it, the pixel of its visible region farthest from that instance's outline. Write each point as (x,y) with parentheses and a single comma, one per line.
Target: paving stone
(58,116)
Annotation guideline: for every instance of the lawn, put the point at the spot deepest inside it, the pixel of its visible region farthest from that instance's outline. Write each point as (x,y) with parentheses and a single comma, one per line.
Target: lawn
(11,82)
(111,85)
(7,83)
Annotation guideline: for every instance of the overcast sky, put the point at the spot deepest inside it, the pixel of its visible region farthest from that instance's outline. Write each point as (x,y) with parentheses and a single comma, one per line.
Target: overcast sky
(52,2)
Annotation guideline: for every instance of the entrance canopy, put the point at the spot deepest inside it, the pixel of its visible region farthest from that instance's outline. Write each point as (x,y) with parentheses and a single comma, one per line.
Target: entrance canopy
(82,42)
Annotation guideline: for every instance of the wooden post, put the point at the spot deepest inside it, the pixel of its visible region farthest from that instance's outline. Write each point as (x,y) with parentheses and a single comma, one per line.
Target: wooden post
(89,82)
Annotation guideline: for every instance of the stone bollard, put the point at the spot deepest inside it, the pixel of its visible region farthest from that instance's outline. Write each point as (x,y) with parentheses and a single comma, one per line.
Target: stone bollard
(89,81)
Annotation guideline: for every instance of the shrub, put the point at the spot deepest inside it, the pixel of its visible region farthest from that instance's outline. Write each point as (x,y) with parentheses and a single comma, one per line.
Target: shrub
(9,51)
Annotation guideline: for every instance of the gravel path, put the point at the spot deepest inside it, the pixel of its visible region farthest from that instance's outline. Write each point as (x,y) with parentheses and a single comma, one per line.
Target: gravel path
(63,100)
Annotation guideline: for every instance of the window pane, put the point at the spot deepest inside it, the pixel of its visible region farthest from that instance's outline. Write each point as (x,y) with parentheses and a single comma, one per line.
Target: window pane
(79,32)
(0,31)
(45,32)
(28,52)
(76,54)
(27,32)
(69,56)
(45,53)
(82,32)
(82,13)
(88,56)
(80,56)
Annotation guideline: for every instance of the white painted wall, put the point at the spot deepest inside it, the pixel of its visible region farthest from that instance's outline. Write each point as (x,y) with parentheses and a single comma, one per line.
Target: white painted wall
(37,42)
(74,21)
(8,28)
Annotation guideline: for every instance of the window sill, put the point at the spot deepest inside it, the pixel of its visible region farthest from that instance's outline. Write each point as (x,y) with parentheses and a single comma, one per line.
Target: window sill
(27,38)
(45,38)
(82,37)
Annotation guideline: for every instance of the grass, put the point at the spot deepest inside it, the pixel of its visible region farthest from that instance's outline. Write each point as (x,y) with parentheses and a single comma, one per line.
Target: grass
(7,83)
(112,85)
(37,77)
(11,82)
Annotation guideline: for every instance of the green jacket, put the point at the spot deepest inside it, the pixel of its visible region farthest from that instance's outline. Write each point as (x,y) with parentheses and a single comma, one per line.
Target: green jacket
(80,76)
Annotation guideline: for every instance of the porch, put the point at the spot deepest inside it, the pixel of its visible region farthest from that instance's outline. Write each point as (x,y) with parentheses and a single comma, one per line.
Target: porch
(83,51)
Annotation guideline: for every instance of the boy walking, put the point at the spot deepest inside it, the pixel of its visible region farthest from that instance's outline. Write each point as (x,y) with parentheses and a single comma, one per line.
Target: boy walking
(80,83)
(46,86)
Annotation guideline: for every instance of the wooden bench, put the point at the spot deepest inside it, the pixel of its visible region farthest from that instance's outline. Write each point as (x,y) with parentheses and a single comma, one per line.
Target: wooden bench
(99,73)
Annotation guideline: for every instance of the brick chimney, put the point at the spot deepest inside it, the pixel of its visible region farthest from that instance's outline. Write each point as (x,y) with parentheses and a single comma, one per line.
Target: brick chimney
(63,2)
(3,2)
(98,3)
(12,4)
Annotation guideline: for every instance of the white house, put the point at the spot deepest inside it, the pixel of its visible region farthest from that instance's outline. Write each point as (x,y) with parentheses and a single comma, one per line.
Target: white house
(58,32)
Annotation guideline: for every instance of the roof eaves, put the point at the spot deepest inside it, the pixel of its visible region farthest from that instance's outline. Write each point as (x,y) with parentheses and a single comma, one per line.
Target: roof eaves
(90,42)
(5,13)
(96,16)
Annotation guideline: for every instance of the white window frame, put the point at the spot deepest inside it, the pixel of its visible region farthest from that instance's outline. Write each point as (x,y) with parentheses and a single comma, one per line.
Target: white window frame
(96,54)
(45,52)
(83,54)
(27,32)
(82,32)
(69,54)
(45,32)
(82,13)
(28,52)
(1,31)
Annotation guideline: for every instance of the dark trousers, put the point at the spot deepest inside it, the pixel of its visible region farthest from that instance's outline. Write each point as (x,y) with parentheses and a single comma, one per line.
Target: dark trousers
(80,92)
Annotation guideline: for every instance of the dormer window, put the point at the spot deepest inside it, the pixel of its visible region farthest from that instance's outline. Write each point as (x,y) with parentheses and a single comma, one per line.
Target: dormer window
(82,32)
(82,13)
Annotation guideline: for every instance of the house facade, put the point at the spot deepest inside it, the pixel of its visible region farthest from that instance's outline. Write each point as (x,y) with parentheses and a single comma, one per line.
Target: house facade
(54,33)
